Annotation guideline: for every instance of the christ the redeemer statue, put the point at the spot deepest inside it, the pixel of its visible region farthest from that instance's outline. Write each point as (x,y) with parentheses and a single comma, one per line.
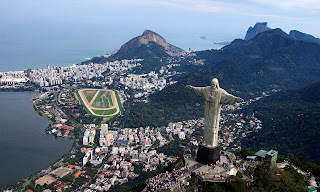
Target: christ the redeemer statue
(214,97)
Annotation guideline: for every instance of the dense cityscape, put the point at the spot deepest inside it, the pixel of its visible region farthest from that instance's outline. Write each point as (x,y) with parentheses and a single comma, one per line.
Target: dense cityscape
(105,156)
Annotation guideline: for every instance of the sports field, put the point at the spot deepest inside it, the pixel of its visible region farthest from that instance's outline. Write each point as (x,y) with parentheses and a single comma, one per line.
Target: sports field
(100,102)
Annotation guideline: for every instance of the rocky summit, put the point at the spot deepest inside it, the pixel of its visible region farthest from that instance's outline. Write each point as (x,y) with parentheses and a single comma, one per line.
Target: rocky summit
(148,37)
(258,28)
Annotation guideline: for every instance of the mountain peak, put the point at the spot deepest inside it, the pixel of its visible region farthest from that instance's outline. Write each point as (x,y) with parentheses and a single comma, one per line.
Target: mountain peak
(297,35)
(154,37)
(149,32)
(147,37)
(277,32)
(258,28)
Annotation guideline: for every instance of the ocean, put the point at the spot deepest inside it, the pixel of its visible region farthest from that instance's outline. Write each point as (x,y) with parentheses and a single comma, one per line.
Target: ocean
(40,47)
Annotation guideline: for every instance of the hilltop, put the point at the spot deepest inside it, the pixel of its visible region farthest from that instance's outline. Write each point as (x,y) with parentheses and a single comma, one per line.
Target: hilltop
(304,37)
(150,46)
(148,37)
(258,28)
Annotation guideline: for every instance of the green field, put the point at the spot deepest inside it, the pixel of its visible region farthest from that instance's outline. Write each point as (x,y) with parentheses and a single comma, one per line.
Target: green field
(90,94)
(119,101)
(107,100)
(105,112)
(85,107)
(103,100)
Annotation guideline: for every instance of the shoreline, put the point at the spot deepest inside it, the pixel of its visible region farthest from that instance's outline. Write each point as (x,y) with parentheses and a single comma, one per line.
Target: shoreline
(51,163)
(22,71)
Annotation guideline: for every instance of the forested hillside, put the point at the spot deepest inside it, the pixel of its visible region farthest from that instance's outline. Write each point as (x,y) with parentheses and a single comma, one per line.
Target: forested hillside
(290,121)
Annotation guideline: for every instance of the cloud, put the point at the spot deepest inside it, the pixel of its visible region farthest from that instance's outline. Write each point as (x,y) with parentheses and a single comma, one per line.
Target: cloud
(281,9)
(190,5)
(311,5)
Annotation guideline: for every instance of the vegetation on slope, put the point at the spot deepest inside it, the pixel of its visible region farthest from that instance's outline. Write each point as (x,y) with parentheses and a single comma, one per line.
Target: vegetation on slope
(271,60)
(290,121)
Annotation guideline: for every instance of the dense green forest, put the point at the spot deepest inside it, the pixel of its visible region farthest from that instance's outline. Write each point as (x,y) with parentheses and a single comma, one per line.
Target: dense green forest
(290,121)
(271,60)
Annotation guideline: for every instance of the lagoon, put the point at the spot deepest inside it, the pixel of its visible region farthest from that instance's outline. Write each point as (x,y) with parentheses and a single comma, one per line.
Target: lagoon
(25,147)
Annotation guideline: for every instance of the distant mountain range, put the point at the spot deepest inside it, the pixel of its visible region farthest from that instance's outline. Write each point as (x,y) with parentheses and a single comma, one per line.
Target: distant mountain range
(294,34)
(270,60)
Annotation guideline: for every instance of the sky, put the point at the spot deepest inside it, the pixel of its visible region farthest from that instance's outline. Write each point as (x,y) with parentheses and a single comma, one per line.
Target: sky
(200,15)
(101,26)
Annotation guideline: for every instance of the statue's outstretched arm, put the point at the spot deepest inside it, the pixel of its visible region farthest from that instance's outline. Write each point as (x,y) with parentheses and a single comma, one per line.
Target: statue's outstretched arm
(238,99)
(227,98)
(200,91)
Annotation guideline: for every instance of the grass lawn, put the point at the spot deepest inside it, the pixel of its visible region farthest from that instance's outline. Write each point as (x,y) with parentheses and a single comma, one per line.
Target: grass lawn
(107,101)
(119,101)
(105,112)
(98,101)
(48,115)
(89,94)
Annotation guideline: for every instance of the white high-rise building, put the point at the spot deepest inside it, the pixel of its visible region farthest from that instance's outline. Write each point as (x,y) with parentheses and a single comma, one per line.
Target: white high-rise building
(181,135)
(92,135)
(85,138)
(88,136)
(104,129)
(86,158)
(103,140)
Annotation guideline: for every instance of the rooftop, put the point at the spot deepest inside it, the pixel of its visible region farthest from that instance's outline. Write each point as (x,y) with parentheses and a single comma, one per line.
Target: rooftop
(261,153)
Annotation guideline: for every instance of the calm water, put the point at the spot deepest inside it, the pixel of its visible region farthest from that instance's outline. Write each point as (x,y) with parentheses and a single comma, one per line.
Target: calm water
(38,47)
(25,147)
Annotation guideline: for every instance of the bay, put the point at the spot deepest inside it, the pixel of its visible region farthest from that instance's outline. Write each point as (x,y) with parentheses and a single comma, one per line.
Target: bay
(25,147)
(36,47)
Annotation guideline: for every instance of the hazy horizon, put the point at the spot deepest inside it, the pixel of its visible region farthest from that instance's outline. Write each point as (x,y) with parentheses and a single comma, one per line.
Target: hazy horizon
(36,33)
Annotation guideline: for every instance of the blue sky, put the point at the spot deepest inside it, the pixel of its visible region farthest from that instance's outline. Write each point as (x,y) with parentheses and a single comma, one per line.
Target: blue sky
(228,16)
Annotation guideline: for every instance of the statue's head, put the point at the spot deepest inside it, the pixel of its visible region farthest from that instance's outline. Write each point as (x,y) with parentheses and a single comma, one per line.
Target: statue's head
(215,83)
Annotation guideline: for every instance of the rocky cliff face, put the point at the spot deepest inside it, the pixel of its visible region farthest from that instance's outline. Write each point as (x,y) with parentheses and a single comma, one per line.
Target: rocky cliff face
(150,36)
(297,35)
(258,28)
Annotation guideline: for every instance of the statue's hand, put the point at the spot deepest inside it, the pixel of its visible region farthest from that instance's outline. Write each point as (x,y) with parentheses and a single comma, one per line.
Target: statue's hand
(189,86)
(239,100)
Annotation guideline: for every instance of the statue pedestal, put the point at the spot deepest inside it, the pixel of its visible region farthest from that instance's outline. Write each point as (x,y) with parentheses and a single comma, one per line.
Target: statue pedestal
(208,155)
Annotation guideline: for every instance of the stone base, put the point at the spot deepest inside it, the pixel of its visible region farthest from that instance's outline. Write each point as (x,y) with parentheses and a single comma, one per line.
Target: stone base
(208,155)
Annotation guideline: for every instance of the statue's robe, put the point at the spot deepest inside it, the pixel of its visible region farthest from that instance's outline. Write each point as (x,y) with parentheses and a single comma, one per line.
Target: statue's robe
(214,98)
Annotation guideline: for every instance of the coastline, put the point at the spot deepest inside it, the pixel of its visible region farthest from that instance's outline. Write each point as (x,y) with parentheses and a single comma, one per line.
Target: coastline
(52,162)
